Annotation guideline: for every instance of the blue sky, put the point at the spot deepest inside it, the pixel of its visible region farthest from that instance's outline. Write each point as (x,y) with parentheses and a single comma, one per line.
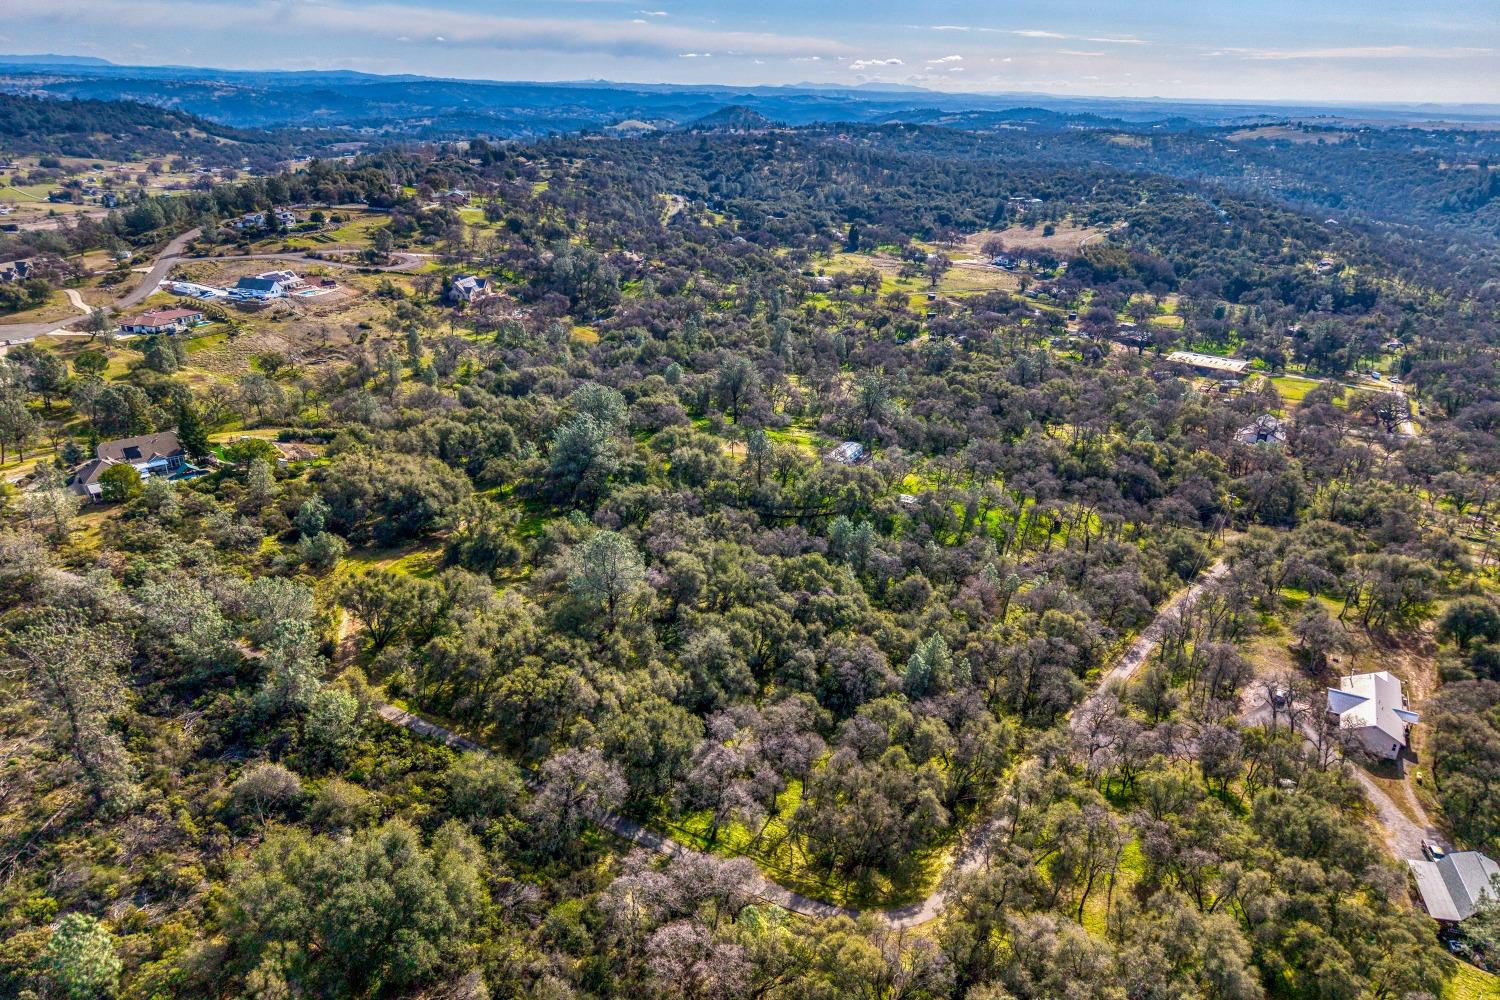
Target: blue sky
(1344,50)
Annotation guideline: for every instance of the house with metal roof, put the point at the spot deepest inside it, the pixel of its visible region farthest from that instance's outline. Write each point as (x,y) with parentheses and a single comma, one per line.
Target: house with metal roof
(1455,885)
(1210,364)
(470,288)
(847,453)
(1373,706)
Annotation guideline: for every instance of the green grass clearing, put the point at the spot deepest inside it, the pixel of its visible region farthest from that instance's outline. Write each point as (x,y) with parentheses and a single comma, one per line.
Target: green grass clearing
(1469,983)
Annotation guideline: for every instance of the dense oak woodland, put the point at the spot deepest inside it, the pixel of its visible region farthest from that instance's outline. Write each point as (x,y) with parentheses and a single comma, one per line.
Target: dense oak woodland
(648,596)
(125,130)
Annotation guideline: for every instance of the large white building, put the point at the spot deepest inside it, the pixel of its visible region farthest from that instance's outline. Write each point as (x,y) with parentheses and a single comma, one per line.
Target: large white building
(1373,706)
(1211,364)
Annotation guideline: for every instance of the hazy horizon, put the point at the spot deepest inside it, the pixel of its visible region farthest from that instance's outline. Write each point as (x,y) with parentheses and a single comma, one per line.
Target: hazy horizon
(876,87)
(1341,52)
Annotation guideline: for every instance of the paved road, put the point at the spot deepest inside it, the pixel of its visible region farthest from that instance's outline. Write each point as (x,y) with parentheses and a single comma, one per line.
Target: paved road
(164,265)
(972,852)
(76,301)
(169,256)
(18,333)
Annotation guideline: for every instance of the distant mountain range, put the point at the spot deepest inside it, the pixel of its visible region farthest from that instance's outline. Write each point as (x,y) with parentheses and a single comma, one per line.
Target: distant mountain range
(430,107)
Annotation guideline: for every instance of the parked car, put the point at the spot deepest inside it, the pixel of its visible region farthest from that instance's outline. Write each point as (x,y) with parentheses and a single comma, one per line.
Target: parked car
(1432,851)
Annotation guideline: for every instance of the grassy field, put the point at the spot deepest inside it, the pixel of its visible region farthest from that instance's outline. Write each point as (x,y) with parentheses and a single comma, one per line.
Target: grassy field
(1293,388)
(1066,238)
(781,858)
(56,308)
(358,230)
(960,280)
(420,559)
(1288,133)
(804,439)
(1468,983)
(1132,870)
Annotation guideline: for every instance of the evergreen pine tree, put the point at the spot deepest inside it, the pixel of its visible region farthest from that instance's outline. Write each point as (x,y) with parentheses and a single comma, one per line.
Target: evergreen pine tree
(190,431)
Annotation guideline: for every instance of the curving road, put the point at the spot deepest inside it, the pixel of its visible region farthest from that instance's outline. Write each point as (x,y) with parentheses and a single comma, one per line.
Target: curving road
(1136,653)
(972,852)
(171,255)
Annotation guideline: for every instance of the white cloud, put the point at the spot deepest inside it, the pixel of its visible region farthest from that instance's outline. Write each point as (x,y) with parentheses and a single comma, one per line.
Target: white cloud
(945,59)
(391,20)
(1361,52)
(652,13)
(1043,34)
(859,64)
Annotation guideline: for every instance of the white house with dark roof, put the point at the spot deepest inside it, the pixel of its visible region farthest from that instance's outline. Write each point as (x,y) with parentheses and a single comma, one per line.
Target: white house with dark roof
(266,285)
(1455,885)
(257,220)
(1373,706)
(471,288)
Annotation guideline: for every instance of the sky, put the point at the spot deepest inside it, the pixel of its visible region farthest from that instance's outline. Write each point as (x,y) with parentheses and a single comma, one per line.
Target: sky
(1262,50)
